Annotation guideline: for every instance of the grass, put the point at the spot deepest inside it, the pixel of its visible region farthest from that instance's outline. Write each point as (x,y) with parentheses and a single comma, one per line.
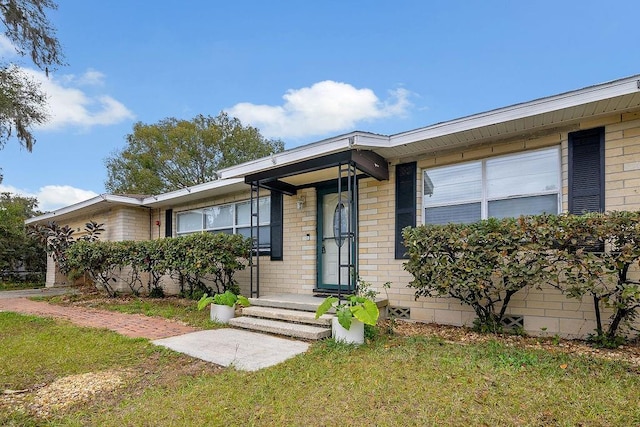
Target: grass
(14,286)
(392,381)
(36,351)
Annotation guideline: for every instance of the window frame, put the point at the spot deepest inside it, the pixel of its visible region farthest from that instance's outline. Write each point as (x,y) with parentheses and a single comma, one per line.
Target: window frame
(189,212)
(235,226)
(484,199)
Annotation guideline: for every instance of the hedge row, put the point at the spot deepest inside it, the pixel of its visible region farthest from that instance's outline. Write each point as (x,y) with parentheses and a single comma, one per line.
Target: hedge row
(484,264)
(202,262)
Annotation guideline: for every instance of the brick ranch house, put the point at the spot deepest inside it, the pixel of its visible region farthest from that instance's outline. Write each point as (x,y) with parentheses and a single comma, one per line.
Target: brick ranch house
(336,207)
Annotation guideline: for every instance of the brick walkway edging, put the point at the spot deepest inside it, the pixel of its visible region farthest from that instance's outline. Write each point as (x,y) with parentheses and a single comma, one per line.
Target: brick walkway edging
(131,325)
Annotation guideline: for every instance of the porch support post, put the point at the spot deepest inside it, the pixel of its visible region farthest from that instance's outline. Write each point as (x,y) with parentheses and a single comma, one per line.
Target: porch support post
(254,256)
(349,237)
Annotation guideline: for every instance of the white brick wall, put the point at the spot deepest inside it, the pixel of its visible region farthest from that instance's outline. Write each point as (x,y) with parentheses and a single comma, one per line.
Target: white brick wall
(545,312)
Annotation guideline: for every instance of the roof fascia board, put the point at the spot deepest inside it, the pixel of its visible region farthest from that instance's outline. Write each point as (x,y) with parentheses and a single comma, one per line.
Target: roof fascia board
(371,140)
(305,152)
(199,188)
(125,200)
(302,166)
(621,87)
(101,199)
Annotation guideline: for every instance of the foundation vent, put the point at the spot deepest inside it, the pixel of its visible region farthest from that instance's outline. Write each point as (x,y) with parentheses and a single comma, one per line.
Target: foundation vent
(513,321)
(399,312)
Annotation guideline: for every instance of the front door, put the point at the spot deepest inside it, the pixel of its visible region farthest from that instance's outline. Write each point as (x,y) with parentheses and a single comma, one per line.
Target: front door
(336,246)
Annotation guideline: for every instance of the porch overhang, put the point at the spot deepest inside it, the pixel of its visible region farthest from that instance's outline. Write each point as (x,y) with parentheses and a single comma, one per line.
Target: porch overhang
(366,162)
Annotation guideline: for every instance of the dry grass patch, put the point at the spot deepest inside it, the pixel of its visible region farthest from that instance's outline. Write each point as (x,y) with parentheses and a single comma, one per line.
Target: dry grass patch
(50,369)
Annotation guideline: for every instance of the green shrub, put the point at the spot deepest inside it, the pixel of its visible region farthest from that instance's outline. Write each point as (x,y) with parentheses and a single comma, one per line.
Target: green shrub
(149,256)
(594,256)
(198,259)
(97,259)
(195,258)
(482,265)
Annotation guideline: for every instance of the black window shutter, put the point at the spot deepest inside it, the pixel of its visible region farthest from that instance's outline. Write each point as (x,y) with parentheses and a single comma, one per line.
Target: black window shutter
(276,226)
(168,223)
(405,203)
(586,171)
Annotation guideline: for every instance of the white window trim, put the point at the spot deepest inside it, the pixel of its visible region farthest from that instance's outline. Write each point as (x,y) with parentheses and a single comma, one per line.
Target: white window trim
(234,227)
(484,200)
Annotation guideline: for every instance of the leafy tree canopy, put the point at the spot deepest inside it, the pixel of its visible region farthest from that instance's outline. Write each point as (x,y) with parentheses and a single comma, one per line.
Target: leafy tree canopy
(16,248)
(22,104)
(21,100)
(26,207)
(174,154)
(30,31)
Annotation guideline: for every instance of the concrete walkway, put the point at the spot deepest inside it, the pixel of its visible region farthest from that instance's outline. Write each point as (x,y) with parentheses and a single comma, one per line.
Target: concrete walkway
(242,349)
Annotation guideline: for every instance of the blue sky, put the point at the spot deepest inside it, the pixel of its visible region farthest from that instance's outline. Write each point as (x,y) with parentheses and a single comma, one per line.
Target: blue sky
(301,71)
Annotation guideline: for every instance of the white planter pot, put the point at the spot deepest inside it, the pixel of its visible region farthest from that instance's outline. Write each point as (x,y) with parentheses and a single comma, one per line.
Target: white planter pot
(222,313)
(355,334)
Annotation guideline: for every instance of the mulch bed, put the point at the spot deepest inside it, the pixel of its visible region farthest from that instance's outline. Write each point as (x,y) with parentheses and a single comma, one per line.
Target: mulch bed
(454,334)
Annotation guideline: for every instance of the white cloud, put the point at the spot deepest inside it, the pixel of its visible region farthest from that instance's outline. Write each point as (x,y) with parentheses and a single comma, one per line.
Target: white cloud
(70,106)
(51,197)
(6,47)
(326,106)
(91,77)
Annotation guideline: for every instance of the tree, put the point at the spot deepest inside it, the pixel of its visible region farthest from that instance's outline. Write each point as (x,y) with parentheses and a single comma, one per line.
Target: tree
(30,31)
(21,100)
(174,154)
(57,239)
(17,249)
(21,106)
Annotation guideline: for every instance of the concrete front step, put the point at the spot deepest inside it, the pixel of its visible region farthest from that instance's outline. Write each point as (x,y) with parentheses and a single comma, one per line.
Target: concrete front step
(286,315)
(302,304)
(281,328)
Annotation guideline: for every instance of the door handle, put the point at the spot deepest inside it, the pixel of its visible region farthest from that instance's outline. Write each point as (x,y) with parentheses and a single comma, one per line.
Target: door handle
(324,250)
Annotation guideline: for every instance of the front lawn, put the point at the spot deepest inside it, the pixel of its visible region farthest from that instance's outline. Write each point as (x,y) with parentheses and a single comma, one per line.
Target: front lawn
(408,379)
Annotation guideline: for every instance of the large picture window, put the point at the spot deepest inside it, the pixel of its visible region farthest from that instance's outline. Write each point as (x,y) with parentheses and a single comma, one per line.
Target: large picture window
(231,218)
(507,186)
